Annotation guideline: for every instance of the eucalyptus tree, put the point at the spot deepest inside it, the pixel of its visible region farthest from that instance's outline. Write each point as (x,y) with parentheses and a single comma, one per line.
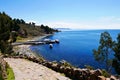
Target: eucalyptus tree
(116,60)
(104,50)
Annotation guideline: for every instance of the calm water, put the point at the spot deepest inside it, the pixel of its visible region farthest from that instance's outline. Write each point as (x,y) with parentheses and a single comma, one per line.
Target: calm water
(75,47)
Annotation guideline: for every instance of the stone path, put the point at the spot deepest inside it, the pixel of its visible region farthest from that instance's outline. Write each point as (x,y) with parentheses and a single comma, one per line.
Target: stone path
(27,70)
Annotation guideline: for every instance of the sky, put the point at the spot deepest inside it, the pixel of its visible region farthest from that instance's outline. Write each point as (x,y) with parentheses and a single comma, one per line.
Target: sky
(76,14)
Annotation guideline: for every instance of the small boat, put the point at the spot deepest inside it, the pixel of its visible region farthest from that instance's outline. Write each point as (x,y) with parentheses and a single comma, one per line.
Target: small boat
(57,41)
(51,45)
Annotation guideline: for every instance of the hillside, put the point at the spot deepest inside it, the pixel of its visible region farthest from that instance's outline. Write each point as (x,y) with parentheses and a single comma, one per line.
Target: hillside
(30,29)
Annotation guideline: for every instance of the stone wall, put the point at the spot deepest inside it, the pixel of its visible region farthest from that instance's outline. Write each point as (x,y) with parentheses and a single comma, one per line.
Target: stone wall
(70,71)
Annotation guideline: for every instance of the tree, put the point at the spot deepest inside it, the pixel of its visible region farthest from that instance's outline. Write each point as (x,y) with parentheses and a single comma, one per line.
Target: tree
(104,50)
(7,27)
(116,60)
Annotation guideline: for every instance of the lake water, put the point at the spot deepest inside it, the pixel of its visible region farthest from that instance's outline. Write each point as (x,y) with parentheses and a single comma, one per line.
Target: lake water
(75,47)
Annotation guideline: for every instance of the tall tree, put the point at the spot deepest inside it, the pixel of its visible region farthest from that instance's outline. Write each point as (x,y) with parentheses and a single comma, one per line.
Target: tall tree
(7,26)
(116,60)
(104,50)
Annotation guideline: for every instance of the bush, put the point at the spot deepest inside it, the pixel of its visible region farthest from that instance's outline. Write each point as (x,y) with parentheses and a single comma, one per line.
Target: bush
(89,67)
(105,73)
(10,73)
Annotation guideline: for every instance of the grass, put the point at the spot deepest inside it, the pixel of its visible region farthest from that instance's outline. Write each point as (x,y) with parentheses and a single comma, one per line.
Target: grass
(10,74)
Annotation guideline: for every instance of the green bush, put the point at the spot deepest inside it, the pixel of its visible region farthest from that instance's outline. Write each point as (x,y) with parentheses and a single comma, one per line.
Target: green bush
(105,73)
(10,73)
(19,38)
(89,67)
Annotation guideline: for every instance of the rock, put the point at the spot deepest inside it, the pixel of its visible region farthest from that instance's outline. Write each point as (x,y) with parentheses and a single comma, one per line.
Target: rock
(98,72)
(86,73)
(49,64)
(62,69)
(107,78)
(68,71)
(93,77)
(54,66)
(101,78)
(112,78)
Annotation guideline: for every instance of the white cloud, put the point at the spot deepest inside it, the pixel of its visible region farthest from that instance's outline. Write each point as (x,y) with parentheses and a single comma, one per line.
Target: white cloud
(109,22)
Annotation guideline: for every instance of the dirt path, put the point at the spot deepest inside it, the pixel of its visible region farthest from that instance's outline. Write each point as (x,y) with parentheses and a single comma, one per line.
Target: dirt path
(27,70)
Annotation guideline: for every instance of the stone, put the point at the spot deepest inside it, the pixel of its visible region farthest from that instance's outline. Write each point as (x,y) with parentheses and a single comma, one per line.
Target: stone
(93,77)
(112,78)
(101,78)
(54,66)
(98,72)
(107,78)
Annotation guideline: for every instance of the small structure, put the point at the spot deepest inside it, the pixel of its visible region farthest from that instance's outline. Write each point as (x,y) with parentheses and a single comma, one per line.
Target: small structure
(57,41)
(34,42)
(51,45)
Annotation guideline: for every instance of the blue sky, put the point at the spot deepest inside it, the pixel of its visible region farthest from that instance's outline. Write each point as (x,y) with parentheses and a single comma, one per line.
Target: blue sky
(82,14)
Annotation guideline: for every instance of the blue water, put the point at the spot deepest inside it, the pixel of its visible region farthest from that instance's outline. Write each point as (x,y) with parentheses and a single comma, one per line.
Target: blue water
(75,47)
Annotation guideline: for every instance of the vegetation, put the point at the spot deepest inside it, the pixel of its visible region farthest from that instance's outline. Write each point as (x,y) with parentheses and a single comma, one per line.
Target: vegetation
(89,67)
(10,74)
(116,60)
(48,30)
(104,50)
(105,73)
(8,30)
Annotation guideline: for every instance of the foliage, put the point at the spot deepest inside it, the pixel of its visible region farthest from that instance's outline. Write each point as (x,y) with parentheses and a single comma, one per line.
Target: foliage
(11,28)
(48,30)
(8,33)
(104,50)
(116,60)
(89,67)
(10,73)
(66,64)
(19,38)
(19,21)
(105,73)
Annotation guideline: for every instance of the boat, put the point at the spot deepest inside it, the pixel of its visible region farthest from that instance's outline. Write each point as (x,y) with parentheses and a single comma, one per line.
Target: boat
(51,45)
(57,41)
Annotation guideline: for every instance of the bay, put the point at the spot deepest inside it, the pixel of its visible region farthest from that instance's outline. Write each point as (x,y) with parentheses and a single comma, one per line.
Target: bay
(76,47)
